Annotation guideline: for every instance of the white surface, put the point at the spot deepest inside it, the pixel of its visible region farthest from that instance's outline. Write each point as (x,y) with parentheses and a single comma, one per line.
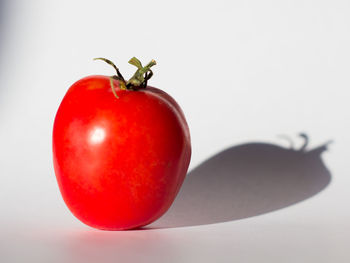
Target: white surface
(242,71)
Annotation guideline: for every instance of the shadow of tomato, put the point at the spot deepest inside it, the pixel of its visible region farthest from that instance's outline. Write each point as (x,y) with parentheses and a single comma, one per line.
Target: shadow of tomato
(245,181)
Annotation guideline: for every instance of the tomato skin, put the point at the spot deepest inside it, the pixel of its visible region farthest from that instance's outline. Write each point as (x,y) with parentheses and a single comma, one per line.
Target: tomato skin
(119,162)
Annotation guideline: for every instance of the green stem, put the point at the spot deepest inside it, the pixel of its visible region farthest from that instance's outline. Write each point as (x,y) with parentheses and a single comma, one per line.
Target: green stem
(140,77)
(137,81)
(114,66)
(111,79)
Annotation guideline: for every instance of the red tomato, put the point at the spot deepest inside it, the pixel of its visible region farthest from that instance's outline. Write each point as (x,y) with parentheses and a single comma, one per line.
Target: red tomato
(119,162)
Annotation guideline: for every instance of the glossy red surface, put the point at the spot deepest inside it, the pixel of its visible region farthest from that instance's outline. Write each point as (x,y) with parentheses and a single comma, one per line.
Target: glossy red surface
(119,163)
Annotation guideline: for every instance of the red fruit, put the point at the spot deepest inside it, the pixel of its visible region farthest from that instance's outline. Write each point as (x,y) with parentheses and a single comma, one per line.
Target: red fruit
(120,159)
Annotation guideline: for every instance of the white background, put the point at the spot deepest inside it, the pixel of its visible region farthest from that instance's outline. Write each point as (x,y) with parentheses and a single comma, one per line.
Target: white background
(242,71)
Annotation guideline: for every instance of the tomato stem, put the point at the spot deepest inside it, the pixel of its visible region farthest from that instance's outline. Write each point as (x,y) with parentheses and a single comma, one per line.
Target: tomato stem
(142,74)
(137,81)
